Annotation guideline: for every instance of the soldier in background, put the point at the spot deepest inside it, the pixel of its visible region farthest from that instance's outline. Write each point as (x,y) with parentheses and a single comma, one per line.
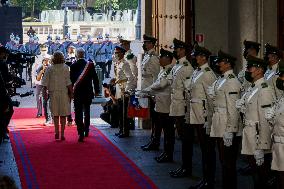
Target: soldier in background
(161,89)
(9,45)
(57,46)
(130,58)
(17,46)
(89,49)
(199,114)
(150,69)
(272,55)
(48,44)
(66,44)
(181,71)
(256,139)
(100,54)
(124,82)
(79,42)
(224,92)
(109,51)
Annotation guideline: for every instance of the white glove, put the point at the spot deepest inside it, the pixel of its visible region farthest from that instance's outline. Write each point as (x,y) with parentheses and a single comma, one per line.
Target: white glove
(269,114)
(211,92)
(240,105)
(207,128)
(228,139)
(259,157)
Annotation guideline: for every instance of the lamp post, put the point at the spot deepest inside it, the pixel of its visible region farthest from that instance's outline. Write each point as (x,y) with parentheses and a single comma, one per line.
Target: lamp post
(65,24)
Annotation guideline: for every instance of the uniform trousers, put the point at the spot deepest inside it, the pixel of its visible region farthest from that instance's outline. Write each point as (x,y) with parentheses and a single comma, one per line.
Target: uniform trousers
(103,67)
(207,145)
(42,102)
(108,67)
(82,112)
(261,174)
(280,179)
(228,159)
(124,121)
(164,122)
(187,138)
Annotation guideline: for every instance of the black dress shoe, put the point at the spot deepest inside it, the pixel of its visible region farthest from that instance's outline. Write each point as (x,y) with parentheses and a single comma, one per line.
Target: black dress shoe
(160,156)
(123,136)
(81,138)
(143,146)
(174,171)
(151,147)
(86,134)
(200,185)
(180,174)
(164,159)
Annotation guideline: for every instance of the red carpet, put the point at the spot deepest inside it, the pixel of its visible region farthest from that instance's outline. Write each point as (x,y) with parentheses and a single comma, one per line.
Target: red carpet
(48,164)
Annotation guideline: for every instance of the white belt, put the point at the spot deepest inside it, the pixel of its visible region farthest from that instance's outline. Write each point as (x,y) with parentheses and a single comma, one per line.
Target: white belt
(220,110)
(278,139)
(196,100)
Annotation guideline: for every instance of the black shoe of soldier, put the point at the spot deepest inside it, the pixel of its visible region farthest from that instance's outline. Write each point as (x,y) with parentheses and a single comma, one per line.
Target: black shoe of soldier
(201,185)
(160,156)
(180,174)
(174,171)
(123,136)
(151,147)
(164,158)
(117,134)
(143,146)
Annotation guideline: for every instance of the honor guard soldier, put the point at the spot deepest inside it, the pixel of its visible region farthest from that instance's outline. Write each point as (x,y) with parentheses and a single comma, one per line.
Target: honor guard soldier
(275,118)
(150,69)
(161,89)
(48,44)
(199,113)
(9,45)
(100,54)
(251,48)
(181,71)
(130,58)
(79,42)
(109,51)
(89,49)
(18,47)
(256,139)
(124,82)
(224,92)
(66,44)
(272,55)
(57,46)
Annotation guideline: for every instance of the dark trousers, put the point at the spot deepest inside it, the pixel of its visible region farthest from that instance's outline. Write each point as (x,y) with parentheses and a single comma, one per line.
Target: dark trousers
(108,67)
(228,159)
(262,173)
(124,121)
(5,118)
(82,109)
(103,67)
(207,145)
(164,122)
(280,179)
(46,108)
(187,138)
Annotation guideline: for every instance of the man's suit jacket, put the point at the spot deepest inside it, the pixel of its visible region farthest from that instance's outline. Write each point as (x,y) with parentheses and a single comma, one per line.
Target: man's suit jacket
(85,89)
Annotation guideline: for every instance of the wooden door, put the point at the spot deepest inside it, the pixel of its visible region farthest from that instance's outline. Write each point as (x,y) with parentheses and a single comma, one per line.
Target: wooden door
(171,19)
(281,24)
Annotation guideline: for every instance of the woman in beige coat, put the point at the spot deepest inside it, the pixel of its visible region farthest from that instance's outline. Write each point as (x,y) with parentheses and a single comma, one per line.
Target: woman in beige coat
(57,82)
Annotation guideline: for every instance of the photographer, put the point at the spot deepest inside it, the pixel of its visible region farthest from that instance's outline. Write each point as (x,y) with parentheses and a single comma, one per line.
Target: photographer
(6,108)
(39,88)
(110,114)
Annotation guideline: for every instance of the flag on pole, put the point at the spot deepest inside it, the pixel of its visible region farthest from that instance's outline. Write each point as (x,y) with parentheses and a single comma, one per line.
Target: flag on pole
(138,107)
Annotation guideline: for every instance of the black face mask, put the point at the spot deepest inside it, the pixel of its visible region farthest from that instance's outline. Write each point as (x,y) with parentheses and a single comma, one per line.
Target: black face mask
(248,76)
(175,55)
(144,47)
(280,84)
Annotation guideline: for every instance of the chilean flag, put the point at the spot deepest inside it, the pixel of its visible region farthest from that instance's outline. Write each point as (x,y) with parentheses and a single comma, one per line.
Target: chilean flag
(138,107)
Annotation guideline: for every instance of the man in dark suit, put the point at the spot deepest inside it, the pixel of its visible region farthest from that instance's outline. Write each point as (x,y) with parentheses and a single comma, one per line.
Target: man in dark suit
(85,82)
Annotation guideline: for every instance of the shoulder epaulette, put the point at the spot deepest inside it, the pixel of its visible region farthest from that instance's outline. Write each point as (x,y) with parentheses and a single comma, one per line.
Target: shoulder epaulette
(264,85)
(231,76)
(207,69)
